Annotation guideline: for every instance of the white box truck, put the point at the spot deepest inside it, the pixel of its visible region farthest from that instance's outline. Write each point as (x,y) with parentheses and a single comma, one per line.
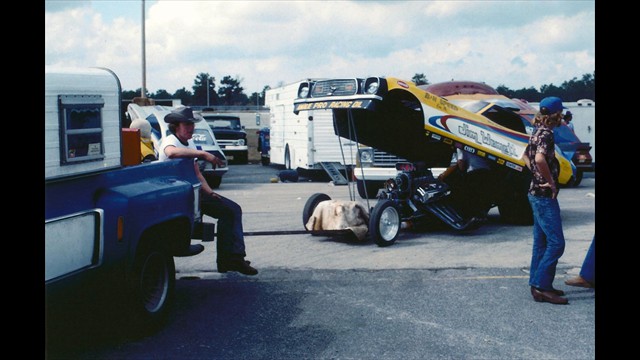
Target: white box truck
(306,142)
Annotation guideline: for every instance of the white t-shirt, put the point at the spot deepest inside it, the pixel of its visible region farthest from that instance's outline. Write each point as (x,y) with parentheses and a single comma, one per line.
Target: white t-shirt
(173,140)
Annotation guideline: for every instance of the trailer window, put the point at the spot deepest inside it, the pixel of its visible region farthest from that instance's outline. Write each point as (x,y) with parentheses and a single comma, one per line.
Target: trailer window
(81,128)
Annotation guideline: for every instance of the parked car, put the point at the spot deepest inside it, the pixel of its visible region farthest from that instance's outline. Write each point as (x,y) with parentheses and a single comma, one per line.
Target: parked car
(230,134)
(203,137)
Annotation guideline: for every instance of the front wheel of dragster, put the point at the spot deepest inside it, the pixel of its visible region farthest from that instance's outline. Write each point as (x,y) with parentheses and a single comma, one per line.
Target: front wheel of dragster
(384,223)
(311,205)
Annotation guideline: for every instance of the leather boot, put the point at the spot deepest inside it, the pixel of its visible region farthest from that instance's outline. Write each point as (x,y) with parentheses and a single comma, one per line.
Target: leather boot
(548,296)
(236,264)
(555,291)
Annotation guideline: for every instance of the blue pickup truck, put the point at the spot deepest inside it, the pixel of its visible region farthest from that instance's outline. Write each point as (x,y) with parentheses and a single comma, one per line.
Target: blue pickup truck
(113,225)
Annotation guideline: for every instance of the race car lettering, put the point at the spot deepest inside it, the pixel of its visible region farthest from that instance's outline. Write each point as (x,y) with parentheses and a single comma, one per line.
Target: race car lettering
(483,138)
(445,106)
(507,149)
(340,104)
(431,97)
(464,130)
(303,107)
(358,104)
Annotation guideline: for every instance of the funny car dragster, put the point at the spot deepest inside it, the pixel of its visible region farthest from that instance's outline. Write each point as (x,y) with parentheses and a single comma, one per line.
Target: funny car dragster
(426,128)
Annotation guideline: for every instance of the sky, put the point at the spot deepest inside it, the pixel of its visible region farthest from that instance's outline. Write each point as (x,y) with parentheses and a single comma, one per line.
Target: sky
(518,44)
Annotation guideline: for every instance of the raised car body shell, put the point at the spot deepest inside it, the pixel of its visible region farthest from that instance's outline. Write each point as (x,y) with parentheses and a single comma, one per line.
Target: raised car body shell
(425,130)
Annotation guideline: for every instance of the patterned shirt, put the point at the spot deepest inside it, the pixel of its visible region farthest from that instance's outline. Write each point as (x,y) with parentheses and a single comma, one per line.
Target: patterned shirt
(542,142)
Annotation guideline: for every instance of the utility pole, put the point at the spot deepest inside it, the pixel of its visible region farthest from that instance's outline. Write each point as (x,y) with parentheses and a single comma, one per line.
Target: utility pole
(144,67)
(207,91)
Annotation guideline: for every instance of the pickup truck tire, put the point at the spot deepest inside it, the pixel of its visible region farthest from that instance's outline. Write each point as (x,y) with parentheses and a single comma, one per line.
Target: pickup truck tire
(242,158)
(153,285)
(384,223)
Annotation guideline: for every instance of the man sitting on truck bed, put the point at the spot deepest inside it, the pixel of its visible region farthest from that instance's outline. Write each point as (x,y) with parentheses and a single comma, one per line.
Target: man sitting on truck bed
(230,247)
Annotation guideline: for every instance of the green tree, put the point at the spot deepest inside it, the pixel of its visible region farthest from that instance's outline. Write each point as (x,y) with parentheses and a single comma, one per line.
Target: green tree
(185,96)
(162,94)
(129,94)
(231,93)
(420,79)
(199,87)
(261,96)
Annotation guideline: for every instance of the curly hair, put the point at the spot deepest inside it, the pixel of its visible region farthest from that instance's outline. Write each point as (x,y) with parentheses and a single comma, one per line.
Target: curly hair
(547,119)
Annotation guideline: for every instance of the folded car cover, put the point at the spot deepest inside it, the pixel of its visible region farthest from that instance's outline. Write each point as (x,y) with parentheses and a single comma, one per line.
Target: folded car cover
(340,215)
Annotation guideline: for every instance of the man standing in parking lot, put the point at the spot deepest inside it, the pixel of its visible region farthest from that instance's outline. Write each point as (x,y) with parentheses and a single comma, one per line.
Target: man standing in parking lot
(230,247)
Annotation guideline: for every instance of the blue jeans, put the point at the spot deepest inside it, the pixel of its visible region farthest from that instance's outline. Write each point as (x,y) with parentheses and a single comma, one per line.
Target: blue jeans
(548,241)
(588,270)
(230,235)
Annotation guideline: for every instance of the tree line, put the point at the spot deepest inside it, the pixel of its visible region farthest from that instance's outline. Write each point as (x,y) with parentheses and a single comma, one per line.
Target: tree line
(569,91)
(230,92)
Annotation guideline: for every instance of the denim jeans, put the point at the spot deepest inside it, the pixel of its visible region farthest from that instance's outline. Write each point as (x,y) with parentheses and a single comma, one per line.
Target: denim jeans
(230,234)
(588,270)
(548,241)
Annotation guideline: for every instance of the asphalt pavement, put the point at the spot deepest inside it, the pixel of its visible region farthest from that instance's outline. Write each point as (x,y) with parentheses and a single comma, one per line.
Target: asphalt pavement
(434,294)
(277,207)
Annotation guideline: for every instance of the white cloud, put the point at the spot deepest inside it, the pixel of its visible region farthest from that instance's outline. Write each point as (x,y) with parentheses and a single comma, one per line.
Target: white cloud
(516,43)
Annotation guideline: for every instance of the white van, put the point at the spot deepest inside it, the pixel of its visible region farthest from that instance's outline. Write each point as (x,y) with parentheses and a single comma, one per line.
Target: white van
(203,137)
(307,141)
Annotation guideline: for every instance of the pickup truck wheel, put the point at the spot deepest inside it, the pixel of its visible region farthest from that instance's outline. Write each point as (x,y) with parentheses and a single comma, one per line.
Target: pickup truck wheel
(153,285)
(242,158)
(384,223)
(311,205)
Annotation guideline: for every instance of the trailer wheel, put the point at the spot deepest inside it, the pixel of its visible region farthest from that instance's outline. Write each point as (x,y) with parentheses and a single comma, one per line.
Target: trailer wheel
(311,205)
(152,285)
(384,223)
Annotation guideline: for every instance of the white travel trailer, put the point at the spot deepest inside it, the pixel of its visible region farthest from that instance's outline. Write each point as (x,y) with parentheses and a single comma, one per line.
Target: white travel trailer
(307,141)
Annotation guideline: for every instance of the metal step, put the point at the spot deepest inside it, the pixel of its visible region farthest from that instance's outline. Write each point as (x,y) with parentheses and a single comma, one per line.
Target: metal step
(332,169)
